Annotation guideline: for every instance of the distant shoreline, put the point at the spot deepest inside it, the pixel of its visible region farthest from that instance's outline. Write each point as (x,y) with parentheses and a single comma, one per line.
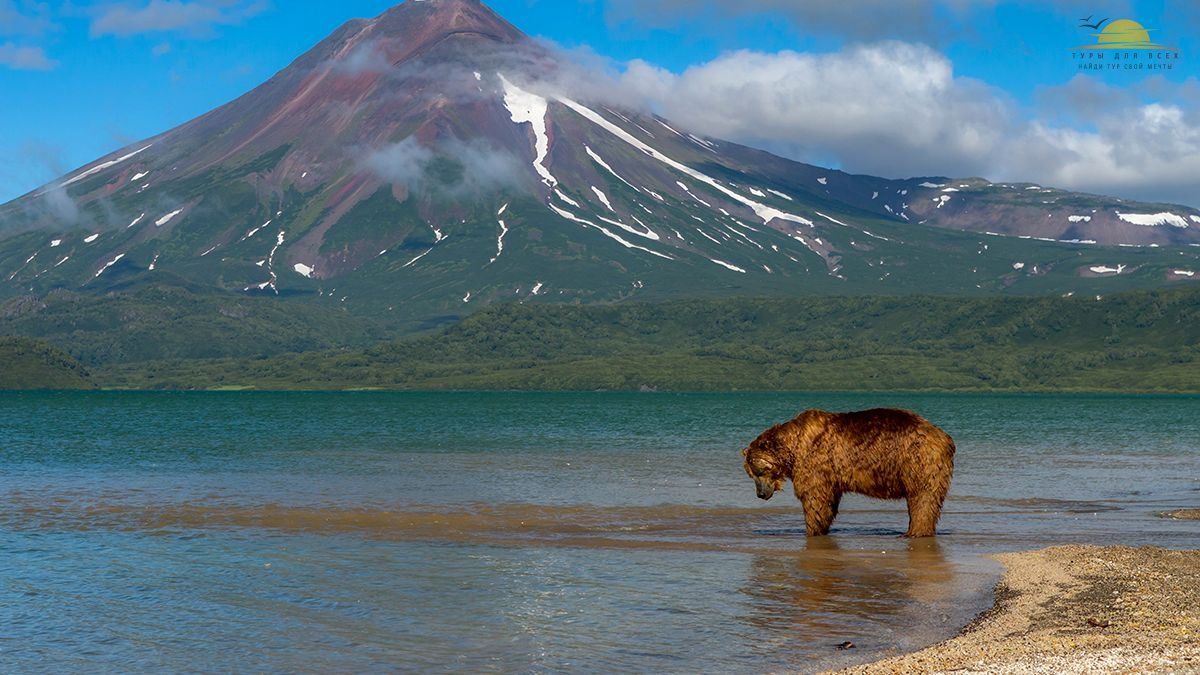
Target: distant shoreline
(1137,341)
(666,392)
(1077,609)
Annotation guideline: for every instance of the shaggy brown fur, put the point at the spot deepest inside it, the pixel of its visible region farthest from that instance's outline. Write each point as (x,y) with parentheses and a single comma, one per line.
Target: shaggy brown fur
(882,453)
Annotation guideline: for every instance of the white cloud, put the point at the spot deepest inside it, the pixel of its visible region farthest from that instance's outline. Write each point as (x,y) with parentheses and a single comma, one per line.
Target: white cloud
(24,58)
(889,108)
(159,16)
(1146,151)
(897,109)
(453,167)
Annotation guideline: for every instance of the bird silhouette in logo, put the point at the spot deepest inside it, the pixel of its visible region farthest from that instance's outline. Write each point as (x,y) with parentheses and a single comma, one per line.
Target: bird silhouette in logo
(1084,23)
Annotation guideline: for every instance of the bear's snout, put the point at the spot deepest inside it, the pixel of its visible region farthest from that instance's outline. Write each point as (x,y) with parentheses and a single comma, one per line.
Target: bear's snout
(765,489)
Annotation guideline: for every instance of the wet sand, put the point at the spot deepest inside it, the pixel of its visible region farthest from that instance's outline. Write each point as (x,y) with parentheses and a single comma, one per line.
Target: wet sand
(1077,609)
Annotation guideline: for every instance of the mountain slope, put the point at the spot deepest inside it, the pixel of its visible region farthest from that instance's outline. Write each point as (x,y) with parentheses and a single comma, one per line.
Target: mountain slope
(434,159)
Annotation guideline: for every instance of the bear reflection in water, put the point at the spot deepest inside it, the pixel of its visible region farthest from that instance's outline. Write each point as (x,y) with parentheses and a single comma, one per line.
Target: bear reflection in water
(822,591)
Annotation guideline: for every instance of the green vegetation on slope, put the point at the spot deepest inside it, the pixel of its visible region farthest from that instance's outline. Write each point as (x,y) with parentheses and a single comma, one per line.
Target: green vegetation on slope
(1142,341)
(160,321)
(34,364)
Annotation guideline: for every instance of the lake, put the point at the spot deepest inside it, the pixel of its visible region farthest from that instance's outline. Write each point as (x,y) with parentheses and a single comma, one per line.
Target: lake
(500,532)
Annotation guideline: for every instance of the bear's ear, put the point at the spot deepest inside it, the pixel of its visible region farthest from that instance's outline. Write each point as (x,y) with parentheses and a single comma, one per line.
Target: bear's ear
(745,452)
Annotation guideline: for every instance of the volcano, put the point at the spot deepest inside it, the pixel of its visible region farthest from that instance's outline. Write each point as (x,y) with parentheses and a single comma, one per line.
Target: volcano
(435,159)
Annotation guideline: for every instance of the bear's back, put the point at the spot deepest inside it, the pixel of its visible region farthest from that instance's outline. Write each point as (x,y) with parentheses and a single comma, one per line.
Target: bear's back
(883,452)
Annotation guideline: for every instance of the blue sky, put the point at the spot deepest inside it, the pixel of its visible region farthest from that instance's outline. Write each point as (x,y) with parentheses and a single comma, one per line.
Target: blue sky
(892,87)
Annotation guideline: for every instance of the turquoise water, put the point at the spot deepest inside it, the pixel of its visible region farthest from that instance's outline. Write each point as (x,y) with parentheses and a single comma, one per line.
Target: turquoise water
(375,532)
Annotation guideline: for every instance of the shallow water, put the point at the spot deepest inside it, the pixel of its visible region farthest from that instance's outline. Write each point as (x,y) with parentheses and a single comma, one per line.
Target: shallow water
(373,532)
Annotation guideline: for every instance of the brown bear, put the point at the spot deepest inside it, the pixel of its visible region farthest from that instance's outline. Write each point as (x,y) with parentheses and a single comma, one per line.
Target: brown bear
(882,453)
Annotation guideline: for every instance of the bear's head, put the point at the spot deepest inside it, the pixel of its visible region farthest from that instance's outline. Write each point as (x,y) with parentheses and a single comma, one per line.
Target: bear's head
(766,462)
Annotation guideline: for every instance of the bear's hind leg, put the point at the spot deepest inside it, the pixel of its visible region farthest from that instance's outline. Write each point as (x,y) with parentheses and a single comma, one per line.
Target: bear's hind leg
(923,514)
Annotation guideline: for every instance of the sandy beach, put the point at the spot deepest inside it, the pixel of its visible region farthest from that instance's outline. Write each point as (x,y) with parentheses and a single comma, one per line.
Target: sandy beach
(1077,609)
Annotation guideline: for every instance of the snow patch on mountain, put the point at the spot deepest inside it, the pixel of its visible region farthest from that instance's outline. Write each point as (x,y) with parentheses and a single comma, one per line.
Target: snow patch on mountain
(100,167)
(270,264)
(726,265)
(1153,219)
(668,126)
(167,218)
(525,107)
(611,235)
(500,237)
(603,198)
(599,160)
(112,262)
(559,193)
(255,231)
(688,190)
(766,213)
(412,262)
(830,219)
(648,234)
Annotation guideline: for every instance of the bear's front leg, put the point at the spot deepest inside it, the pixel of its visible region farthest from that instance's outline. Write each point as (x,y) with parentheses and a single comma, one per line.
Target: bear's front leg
(819,510)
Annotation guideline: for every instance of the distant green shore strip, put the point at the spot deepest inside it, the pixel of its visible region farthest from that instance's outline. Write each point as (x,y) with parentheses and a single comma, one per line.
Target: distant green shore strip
(1145,341)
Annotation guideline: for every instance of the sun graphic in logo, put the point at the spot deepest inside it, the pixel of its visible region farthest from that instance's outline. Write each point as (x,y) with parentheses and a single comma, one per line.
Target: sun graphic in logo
(1124,34)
